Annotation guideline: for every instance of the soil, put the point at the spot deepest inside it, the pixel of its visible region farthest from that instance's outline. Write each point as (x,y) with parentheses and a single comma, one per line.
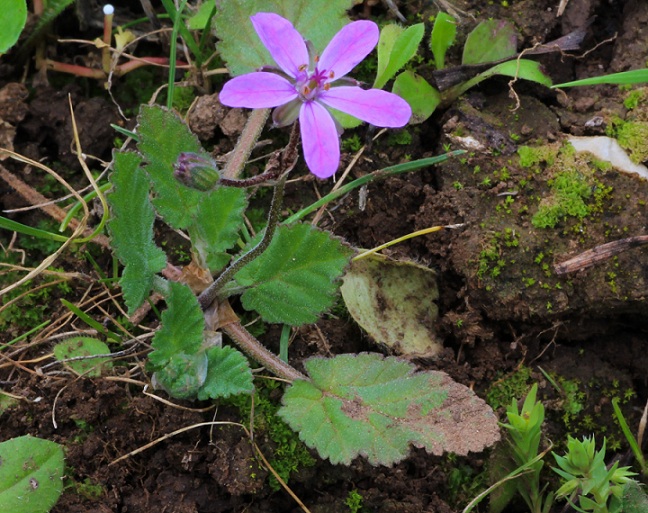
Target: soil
(505,314)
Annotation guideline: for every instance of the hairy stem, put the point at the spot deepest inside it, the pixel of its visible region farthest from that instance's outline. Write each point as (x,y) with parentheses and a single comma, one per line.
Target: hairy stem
(255,350)
(210,293)
(246,143)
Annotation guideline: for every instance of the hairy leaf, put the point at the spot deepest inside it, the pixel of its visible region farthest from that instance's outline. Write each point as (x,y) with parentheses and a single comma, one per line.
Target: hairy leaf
(31,475)
(83,346)
(442,38)
(491,40)
(293,281)
(242,49)
(182,326)
(403,50)
(131,229)
(421,96)
(229,374)
(163,136)
(13,17)
(182,375)
(216,229)
(634,499)
(371,406)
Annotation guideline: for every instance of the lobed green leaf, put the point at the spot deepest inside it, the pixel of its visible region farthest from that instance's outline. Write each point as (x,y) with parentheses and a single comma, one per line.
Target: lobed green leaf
(131,229)
(217,223)
(229,374)
(371,406)
(293,281)
(163,136)
(182,326)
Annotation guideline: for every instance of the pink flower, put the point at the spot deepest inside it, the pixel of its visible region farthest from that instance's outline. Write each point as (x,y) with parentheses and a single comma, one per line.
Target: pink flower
(307,87)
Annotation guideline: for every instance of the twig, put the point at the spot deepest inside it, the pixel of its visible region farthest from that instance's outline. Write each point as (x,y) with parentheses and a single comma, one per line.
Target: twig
(599,253)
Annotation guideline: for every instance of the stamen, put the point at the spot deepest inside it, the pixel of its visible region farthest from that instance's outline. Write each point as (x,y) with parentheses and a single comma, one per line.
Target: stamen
(302,67)
(317,58)
(327,86)
(306,90)
(331,74)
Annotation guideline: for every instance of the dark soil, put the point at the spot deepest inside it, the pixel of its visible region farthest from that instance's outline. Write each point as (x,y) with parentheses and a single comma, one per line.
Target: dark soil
(514,314)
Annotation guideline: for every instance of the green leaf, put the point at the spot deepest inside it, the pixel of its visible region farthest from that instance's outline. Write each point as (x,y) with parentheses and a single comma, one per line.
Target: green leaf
(83,346)
(635,499)
(240,45)
(182,326)
(13,17)
(131,229)
(218,220)
(293,281)
(199,20)
(371,406)
(635,76)
(388,36)
(523,68)
(31,475)
(183,374)
(394,301)
(163,136)
(442,38)
(229,374)
(421,96)
(403,50)
(491,40)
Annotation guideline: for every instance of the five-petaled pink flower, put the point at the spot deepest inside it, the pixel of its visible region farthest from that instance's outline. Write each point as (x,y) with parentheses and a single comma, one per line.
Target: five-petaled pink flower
(305,87)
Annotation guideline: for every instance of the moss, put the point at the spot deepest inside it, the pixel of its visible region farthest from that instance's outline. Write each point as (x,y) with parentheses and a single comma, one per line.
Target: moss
(570,190)
(632,136)
(533,156)
(509,388)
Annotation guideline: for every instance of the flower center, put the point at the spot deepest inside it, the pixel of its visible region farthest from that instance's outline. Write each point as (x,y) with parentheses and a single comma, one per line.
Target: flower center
(310,84)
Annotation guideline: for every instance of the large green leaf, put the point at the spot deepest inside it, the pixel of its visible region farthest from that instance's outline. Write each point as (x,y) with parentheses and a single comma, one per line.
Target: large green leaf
(216,229)
(401,51)
(367,405)
(182,326)
(521,68)
(13,17)
(491,40)
(242,49)
(163,136)
(293,281)
(31,475)
(131,229)
(229,374)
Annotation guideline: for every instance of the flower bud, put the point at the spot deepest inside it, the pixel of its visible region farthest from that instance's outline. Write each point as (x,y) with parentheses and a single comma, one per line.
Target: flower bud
(196,171)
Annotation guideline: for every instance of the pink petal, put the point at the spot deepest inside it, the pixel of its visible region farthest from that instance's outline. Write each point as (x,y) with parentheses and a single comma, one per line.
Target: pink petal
(348,47)
(259,90)
(319,140)
(374,106)
(285,44)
